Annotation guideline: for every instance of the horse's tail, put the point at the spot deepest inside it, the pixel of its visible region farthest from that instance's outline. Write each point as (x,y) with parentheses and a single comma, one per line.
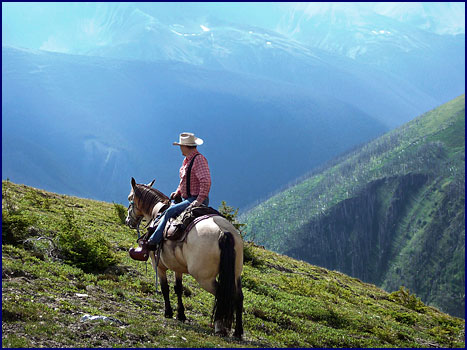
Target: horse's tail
(225,292)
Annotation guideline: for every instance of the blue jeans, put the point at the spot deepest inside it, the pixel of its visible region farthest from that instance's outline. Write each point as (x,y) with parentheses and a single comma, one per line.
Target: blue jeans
(172,212)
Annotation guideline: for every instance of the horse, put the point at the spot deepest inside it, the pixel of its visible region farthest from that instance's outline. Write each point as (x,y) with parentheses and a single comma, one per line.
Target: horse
(213,247)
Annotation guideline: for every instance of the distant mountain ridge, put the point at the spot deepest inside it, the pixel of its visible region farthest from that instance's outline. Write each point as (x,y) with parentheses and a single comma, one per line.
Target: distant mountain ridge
(85,125)
(361,56)
(397,39)
(392,212)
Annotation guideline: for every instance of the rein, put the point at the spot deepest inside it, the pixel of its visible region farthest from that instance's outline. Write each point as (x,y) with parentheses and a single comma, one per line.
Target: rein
(160,208)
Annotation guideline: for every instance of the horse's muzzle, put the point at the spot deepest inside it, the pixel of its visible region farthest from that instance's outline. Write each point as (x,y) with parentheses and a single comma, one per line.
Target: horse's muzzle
(130,223)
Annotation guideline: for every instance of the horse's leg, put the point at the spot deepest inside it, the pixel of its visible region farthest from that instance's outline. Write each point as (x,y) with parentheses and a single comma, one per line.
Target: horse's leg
(238,309)
(165,291)
(179,291)
(219,324)
(208,284)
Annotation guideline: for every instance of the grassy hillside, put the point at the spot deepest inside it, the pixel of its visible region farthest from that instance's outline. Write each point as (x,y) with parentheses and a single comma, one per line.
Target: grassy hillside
(390,212)
(64,258)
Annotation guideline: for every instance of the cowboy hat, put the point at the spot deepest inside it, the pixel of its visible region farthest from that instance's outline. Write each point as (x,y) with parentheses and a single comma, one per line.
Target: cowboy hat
(188,139)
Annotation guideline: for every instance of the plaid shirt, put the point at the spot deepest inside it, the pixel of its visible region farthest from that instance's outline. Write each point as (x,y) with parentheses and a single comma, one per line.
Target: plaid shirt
(200,182)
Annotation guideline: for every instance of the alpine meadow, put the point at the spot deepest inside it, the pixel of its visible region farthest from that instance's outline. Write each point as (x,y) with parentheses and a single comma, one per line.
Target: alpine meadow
(391,212)
(67,281)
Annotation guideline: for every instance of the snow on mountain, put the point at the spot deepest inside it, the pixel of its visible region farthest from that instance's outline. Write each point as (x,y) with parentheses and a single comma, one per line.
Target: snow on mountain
(376,37)
(437,17)
(344,27)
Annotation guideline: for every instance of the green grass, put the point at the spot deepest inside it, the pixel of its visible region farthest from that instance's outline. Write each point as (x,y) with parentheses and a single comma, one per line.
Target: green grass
(288,303)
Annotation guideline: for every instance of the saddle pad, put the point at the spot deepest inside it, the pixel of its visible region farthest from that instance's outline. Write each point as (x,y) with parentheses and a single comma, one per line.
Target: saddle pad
(178,228)
(173,233)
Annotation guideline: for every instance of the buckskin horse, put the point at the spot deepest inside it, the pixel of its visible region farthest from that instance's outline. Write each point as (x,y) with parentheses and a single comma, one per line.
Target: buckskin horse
(213,247)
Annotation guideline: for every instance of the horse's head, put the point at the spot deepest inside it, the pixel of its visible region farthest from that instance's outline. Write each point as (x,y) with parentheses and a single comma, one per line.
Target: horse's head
(134,213)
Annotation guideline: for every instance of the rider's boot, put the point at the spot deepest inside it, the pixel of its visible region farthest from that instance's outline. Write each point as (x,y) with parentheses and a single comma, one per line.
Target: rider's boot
(141,253)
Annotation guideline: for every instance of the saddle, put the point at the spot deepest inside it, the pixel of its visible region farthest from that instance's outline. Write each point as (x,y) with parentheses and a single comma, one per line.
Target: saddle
(178,228)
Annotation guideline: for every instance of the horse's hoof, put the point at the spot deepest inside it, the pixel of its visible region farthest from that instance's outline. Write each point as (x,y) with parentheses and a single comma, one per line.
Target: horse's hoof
(181,318)
(169,314)
(238,335)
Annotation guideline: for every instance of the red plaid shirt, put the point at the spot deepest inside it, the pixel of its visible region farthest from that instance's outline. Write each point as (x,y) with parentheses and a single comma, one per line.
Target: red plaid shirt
(200,182)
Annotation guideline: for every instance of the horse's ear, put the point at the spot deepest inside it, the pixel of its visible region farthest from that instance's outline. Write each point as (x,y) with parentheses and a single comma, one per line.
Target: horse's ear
(151,183)
(133,182)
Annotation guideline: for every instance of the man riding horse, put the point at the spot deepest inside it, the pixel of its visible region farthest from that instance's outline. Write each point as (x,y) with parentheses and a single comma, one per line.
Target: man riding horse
(211,251)
(193,190)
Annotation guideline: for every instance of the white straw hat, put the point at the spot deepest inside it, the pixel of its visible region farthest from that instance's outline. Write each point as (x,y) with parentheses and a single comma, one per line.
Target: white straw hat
(188,139)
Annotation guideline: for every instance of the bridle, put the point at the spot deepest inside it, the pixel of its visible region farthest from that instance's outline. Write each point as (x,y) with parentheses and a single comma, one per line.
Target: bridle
(134,221)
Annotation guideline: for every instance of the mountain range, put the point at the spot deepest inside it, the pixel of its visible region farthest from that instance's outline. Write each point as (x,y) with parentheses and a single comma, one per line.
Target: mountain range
(346,51)
(86,125)
(271,100)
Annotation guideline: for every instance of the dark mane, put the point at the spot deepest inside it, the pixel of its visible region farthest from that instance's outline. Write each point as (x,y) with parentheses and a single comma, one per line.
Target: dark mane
(148,197)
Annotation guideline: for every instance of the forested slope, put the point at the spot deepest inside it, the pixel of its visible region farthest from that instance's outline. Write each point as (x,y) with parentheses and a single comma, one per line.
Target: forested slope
(390,212)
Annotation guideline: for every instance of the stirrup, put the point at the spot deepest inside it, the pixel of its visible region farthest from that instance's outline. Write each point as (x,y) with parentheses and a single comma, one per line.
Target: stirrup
(153,246)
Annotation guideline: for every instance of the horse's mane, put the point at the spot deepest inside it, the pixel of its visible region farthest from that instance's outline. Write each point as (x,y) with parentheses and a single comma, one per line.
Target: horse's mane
(148,197)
